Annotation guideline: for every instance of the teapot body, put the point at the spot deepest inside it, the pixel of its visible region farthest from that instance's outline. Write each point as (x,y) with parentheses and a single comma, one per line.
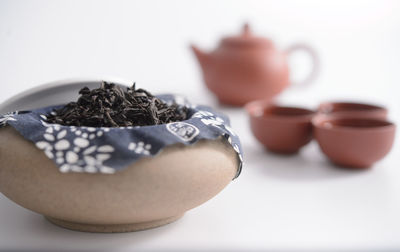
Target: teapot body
(237,76)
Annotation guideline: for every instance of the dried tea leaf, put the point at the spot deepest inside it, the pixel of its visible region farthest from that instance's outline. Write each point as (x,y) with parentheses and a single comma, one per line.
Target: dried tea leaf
(111,106)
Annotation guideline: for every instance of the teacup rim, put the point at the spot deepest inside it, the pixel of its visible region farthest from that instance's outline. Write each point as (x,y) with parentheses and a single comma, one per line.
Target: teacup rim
(370,105)
(264,104)
(316,122)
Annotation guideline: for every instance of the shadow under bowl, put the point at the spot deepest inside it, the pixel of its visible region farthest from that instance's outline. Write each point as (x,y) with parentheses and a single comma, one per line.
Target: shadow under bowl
(353,142)
(280,129)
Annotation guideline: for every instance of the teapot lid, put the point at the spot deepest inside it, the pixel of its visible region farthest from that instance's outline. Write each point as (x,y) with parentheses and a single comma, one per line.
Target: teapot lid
(246,39)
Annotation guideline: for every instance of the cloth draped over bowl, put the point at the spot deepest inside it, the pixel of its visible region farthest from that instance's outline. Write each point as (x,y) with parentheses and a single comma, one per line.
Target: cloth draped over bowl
(108,150)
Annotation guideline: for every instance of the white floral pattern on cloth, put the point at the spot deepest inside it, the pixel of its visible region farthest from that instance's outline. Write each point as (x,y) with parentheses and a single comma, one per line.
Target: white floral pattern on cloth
(7,117)
(108,150)
(211,119)
(236,148)
(140,148)
(185,131)
(77,155)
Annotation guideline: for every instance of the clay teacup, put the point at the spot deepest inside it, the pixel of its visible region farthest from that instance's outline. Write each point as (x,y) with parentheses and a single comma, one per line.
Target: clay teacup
(353,142)
(280,129)
(353,110)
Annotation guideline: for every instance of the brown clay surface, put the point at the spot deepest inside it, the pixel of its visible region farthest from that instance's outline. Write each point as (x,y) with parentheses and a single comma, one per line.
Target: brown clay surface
(176,180)
(280,129)
(353,110)
(353,142)
(244,68)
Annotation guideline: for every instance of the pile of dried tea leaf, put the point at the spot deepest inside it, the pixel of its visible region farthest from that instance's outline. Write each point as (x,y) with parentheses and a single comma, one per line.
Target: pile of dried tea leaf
(111,106)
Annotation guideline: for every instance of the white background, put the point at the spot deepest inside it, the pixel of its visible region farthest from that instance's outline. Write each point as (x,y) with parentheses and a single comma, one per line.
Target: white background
(294,203)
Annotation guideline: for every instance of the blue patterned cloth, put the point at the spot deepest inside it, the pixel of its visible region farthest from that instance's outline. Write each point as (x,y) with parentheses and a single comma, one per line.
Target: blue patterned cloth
(107,150)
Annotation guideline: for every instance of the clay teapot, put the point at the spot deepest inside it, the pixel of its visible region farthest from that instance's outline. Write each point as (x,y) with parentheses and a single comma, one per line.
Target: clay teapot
(245,68)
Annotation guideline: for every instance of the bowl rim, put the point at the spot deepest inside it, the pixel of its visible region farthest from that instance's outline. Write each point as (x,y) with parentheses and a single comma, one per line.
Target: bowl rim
(327,107)
(256,109)
(321,118)
(11,104)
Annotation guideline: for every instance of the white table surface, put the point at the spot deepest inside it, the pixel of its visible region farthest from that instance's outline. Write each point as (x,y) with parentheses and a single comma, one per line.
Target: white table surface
(293,203)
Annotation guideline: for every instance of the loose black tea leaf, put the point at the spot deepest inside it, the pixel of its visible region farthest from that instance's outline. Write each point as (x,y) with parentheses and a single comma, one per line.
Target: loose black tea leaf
(111,106)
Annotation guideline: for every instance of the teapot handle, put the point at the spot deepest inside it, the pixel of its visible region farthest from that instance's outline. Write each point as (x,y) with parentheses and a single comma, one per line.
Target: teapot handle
(314,59)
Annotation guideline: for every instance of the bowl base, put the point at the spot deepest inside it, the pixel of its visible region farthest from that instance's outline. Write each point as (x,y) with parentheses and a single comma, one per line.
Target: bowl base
(112,228)
(230,103)
(351,166)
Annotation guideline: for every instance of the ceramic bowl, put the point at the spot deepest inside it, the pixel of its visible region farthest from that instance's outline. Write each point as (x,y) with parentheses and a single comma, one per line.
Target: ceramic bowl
(353,142)
(353,110)
(280,129)
(152,192)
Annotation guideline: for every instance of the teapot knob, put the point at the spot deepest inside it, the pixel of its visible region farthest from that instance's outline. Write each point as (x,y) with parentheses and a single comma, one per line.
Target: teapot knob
(246,30)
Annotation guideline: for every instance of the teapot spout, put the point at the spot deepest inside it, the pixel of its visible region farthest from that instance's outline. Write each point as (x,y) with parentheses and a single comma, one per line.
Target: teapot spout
(202,57)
